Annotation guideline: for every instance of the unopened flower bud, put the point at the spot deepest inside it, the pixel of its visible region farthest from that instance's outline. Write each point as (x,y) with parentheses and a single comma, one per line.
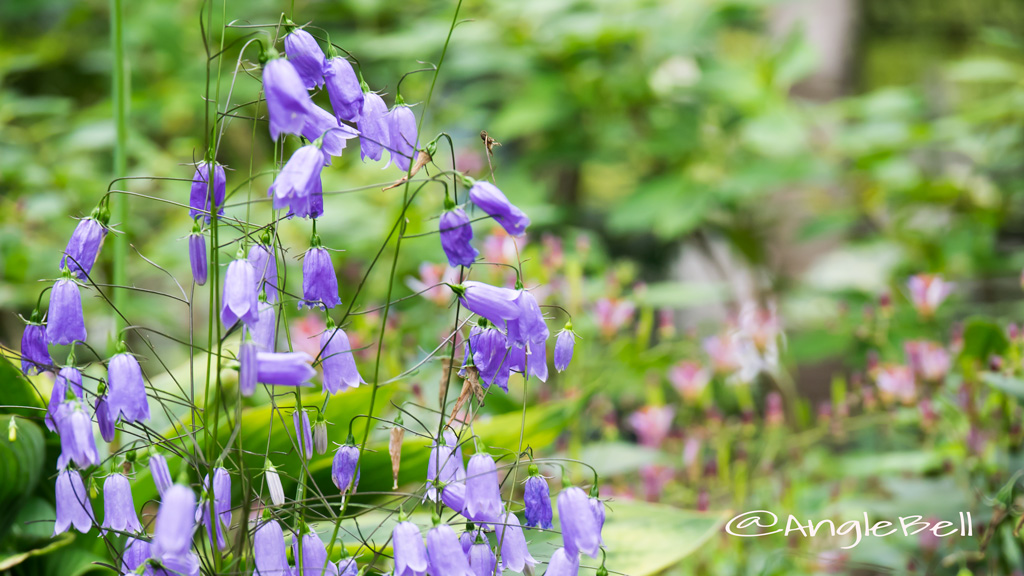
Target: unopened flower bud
(273,484)
(395,450)
(320,435)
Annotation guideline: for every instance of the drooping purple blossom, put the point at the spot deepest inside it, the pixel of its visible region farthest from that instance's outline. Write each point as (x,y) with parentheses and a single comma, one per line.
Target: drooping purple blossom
(264,334)
(136,551)
(288,102)
(65,323)
(334,136)
(248,367)
(490,356)
(345,468)
(239,297)
(265,267)
(199,201)
(374,135)
(298,181)
(482,560)
(269,550)
(160,472)
(467,538)
(515,555)
(319,281)
(68,375)
(493,303)
(347,566)
(445,456)
(343,88)
(483,493)
(537,497)
(221,496)
(104,419)
(175,522)
(303,433)
(493,202)
(410,551)
(445,553)
(35,356)
(127,396)
(563,563)
(118,506)
(307,57)
(598,507)
(77,443)
(401,135)
(284,368)
(73,505)
(537,360)
(83,247)
(564,345)
(529,325)
(197,257)
(338,362)
(313,556)
(457,237)
(580,529)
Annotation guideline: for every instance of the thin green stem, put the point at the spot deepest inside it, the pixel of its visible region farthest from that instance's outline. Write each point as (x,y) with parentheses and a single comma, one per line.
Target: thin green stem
(119,205)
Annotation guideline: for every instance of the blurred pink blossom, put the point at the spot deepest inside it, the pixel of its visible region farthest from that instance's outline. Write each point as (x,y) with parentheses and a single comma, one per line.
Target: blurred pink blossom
(760,325)
(431,275)
(927,292)
(895,382)
(773,414)
(306,334)
(655,478)
(652,424)
(689,379)
(613,314)
(723,353)
(927,359)
(498,246)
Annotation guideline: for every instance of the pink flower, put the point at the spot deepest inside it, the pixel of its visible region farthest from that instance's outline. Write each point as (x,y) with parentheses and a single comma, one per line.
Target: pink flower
(655,478)
(895,382)
(305,334)
(929,360)
(927,292)
(652,424)
(724,354)
(500,247)
(760,325)
(613,314)
(689,379)
(432,275)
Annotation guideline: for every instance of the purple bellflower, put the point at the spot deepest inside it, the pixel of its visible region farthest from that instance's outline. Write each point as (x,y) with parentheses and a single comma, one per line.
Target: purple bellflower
(175,522)
(563,563)
(343,88)
(345,467)
(529,325)
(306,56)
(482,560)
(287,99)
(83,247)
(298,181)
(221,505)
(160,472)
(319,281)
(564,345)
(401,135)
(491,357)
(35,356)
(457,237)
(446,457)
(269,550)
(493,303)
(321,124)
(515,555)
(374,135)
(339,365)
(284,368)
(264,334)
(537,360)
(248,367)
(598,507)
(410,552)
(197,257)
(303,433)
(127,396)
(313,556)
(580,529)
(77,443)
(240,302)
(493,202)
(445,553)
(468,538)
(65,323)
(136,552)
(347,566)
(69,375)
(199,197)
(118,505)
(107,423)
(483,493)
(73,505)
(265,266)
(537,497)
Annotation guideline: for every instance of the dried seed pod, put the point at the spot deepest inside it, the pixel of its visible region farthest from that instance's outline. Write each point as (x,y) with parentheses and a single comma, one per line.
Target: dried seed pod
(395,450)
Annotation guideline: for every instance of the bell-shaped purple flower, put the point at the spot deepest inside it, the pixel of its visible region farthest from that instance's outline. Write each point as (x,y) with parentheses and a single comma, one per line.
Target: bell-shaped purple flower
(314,208)
(446,457)
(348,567)
(68,376)
(453,495)
(445,553)
(537,360)
(493,202)
(197,257)
(529,325)
(537,497)
(564,345)
(345,468)
(175,522)
(491,357)
(221,505)
(410,552)
(483,493)
(322,124)
(160,472)
(313,557)
(401,135)
(468,538)
(339,365)
(493,303)
(265,267)
(83,247)
(298,180)
(104,419)
(517,359)
(287,99)
(65,323)
(482,560)
(563,563)
(343,88)
(73,505)
(199,198)
(127,395)
(515,555)
(35,356)
(598,507)
(77,443)
(136,552)
(239,298)
(457,237)
(580,529)
(303,433)
(248,367)
(118,505)
(319,282)
(264,334)
(307,57)
(269,550)
(284,368)
(374,135)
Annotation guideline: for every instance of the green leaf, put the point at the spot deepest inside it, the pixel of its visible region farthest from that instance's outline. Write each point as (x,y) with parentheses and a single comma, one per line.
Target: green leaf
(982,339)
(21,465)
(1006,384)
(8,561)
